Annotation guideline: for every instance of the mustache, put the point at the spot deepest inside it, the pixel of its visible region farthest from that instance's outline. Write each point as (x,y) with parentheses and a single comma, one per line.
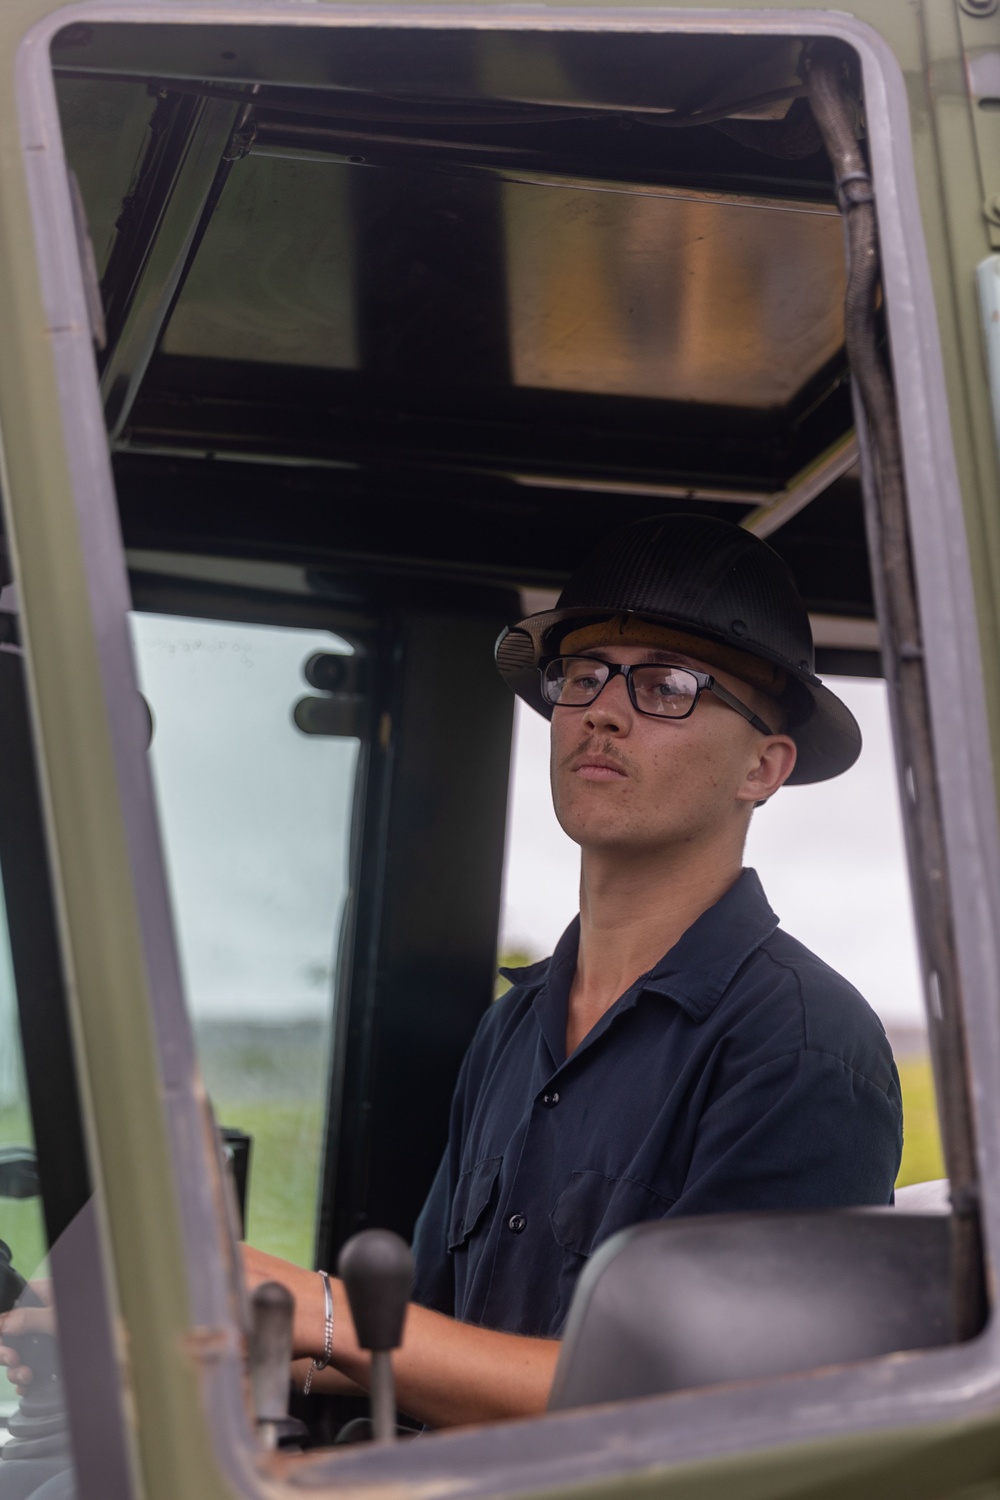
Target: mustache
(606,748)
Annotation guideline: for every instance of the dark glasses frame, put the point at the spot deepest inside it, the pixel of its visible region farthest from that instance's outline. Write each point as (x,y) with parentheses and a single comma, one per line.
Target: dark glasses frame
(705,683)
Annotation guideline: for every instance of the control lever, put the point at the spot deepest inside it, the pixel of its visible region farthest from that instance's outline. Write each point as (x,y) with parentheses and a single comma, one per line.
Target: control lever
(273,1310)
(37,1429)
(376,1267)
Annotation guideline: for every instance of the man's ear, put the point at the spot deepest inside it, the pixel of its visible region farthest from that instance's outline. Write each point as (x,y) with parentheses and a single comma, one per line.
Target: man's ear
(774,763)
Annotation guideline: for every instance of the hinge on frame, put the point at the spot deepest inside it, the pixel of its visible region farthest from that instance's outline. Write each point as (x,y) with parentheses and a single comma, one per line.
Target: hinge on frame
(979,26)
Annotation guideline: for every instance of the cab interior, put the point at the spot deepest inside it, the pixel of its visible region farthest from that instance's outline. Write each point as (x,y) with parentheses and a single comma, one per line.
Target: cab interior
(390,331)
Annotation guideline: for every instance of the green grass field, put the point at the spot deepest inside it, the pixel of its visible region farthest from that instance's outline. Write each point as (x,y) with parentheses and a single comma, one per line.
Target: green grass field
(21,1224)
(922,1160)
(284,1175)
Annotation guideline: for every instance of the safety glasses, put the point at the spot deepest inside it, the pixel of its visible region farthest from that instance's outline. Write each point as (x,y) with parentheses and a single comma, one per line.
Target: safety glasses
(658,689)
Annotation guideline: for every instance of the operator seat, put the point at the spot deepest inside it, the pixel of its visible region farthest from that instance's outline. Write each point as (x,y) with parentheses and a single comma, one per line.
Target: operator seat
(676,1304)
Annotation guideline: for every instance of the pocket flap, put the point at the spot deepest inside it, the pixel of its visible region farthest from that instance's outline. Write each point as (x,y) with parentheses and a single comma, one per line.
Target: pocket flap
(592,1207)
(472,1198)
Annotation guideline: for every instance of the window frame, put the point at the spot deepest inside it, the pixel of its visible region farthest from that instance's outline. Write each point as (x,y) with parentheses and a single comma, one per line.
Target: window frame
(98,1447)
(961,1382)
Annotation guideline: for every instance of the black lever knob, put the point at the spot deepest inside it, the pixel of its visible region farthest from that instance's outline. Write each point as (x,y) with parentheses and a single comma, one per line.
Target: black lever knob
(376,1268)
(273,1311)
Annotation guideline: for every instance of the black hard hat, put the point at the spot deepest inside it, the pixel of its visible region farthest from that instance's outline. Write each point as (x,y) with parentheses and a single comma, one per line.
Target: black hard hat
(710,579)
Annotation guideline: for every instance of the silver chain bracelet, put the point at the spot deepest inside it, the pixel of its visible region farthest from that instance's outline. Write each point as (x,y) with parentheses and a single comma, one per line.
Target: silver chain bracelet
(321,1364)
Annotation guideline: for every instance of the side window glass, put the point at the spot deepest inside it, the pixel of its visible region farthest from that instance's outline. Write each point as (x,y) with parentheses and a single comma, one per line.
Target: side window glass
(833,862)
(256,818)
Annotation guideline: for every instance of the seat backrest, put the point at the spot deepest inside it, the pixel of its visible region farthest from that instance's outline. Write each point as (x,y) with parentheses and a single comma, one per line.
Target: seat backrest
(682,1303)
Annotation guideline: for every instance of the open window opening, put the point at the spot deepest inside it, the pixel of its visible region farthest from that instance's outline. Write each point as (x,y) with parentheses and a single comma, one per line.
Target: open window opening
(390,337)
(832,861)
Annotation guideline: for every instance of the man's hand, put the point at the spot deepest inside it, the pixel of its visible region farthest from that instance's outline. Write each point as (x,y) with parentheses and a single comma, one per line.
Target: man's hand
(23,1322)
(448,1373)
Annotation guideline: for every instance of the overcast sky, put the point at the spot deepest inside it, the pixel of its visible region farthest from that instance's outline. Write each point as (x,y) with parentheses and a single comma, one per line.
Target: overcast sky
(255,815)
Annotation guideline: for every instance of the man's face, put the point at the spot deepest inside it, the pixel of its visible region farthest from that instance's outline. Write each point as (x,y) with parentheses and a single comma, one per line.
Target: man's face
(625,780)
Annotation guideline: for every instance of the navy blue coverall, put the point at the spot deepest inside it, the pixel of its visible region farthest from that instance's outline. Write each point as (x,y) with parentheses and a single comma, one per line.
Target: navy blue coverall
(740,1073)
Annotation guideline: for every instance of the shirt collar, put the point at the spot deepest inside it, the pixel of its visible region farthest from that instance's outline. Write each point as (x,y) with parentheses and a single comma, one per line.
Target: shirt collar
(695,973)
(701,966)
(552,979)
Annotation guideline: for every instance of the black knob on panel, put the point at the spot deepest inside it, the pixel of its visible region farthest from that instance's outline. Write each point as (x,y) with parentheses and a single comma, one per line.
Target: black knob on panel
(376,1267)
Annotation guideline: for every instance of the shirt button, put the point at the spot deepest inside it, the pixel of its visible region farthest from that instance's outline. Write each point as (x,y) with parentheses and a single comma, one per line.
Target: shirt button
(516,1223)
(550,1100)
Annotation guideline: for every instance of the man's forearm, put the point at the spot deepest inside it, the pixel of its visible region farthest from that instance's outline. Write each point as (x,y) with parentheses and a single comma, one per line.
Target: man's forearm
(450,1373)
(328,1382)
(447,1373)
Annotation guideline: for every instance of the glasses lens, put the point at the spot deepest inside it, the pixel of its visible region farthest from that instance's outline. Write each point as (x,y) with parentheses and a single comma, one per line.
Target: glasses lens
(573,681)
(668,691)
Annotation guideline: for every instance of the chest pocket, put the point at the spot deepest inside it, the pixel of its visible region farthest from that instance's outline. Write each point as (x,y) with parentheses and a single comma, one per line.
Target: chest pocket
(592,1207)
(473,1196)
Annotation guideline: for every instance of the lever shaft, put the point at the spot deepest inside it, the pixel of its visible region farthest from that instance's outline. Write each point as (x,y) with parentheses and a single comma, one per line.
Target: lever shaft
(376,1268)
(383,1397)
(270,1357)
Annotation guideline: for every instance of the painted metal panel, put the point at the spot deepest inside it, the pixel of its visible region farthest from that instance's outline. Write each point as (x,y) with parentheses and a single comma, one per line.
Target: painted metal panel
(75,614)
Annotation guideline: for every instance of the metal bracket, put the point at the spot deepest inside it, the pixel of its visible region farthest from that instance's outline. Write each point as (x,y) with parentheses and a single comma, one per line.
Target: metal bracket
(186,195)
(980,32)
(837,460)
(988,284)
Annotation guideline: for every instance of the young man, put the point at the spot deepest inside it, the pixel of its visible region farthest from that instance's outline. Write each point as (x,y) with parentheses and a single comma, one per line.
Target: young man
(678,1054)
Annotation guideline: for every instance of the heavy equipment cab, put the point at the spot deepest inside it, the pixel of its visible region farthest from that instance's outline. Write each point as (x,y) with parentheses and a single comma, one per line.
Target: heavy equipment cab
(335,337)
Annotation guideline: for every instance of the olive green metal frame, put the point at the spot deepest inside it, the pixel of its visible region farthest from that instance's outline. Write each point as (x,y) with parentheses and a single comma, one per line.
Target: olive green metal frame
(932,1416)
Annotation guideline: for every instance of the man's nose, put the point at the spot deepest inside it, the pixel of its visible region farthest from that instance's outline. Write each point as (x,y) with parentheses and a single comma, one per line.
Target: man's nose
(611,711)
